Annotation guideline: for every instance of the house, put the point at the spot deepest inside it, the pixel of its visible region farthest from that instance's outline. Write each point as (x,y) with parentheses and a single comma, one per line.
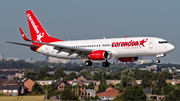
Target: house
(114,82)
(28,83)
(58,81)
(97,83)
(173,81)
(44,82)
(8,74)
(148,93)
(61,85)
(91,92)
(81,81)
(109,88)
(2,79)
(108,95)
(20,75)
(12,88)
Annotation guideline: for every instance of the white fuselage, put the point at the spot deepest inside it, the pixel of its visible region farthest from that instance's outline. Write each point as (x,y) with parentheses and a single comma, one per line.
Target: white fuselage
(118,47)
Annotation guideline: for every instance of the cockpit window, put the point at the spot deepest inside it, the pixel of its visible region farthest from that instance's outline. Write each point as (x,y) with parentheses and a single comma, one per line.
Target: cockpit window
(161,42)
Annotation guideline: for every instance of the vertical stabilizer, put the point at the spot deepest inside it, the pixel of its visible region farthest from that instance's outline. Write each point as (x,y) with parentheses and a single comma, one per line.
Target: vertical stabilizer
(37,31)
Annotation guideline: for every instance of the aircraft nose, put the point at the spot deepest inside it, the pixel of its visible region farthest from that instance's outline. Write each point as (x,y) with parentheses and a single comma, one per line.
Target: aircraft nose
(171,47)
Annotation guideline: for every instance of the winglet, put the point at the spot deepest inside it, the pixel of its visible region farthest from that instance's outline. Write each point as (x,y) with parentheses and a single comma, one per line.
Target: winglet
(23,35)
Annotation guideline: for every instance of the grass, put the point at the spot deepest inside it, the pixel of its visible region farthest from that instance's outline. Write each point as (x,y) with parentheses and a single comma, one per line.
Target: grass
(23,98)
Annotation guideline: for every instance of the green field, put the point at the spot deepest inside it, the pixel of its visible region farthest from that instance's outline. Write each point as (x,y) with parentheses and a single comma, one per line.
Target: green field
(22,98)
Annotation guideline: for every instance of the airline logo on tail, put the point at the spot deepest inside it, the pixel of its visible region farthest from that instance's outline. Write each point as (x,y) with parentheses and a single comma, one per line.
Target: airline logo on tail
(39,35)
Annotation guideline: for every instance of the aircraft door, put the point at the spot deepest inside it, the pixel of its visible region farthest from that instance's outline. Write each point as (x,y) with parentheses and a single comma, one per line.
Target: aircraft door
(151,44)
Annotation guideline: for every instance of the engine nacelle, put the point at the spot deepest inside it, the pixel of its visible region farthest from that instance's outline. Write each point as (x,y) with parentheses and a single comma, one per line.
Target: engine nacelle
(99,55)
(128,59)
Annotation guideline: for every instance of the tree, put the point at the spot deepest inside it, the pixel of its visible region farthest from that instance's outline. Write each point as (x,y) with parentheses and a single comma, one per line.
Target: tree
(36,89)
(146,83)
(30,74)
(91,85)
(102,88)
(72,75)
(158,82)
(173,95)
(127,78)
(119,97)
(85,73)
(116,76)
(168,88)
(134,93)
(46,89)
(47,78)
(100,76)
(59,73)
(42,74)
(167,74)
(140,74)
(67,94)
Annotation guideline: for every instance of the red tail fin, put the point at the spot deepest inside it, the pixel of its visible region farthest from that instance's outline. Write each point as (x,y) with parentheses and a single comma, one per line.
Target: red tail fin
(37,31)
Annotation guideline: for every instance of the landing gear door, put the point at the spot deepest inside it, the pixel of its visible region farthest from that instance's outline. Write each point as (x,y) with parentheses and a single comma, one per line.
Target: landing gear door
(151,44)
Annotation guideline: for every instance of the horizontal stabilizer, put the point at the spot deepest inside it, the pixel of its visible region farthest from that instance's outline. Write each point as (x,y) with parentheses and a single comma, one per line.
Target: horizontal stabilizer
(29,45)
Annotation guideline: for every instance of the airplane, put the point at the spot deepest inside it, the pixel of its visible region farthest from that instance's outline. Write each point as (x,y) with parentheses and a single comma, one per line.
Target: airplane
(126,49)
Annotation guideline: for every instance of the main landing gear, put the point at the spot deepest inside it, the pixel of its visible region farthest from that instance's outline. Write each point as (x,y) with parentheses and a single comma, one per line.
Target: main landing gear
(105,64)
(89,63)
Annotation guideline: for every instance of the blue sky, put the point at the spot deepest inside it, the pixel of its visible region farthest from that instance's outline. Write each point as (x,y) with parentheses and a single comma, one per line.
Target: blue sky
(94,19)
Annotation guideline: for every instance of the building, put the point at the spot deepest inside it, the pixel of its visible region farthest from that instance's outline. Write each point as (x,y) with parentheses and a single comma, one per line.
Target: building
(114,82)
(56,60)
(44,82)
(153,68)
(91,92)
(142,61)
(109,94)
(20,75)
(12,73)
(28,83)
(1,57)
(61,85)
(13,58)
(173,81)
(148,93)
(12,88)
(3,79)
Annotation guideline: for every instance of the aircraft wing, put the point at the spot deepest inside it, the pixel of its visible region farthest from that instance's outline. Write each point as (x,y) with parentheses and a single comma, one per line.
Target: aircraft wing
(68,49)
(58,47)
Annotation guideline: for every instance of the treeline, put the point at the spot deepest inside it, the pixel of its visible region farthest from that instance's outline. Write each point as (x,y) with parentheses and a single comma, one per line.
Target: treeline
(154,81)
(21,64)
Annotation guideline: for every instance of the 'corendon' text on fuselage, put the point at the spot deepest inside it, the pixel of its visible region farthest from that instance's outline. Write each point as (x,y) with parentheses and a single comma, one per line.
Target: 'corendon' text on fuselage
(129,43)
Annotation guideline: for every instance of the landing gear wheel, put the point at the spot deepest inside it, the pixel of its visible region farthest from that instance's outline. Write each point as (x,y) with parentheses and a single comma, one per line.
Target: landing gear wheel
(105,64)
(88,63)
(157,61)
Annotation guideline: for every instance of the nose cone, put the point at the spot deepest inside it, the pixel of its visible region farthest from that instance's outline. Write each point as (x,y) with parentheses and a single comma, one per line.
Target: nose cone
(170,47)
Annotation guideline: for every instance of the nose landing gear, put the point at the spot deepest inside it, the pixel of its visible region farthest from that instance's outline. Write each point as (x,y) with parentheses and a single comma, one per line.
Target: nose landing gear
(159,56)
(105,64)
(157,60)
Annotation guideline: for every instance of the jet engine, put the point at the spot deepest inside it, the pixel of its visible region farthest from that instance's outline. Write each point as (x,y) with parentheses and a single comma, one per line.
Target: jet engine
(128,59)
(99,55)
